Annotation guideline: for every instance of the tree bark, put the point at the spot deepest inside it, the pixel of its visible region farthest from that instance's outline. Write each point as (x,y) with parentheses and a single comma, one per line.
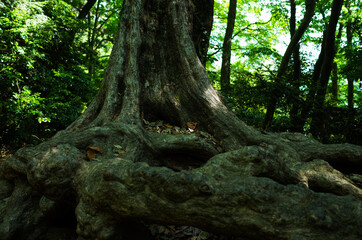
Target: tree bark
(226,48)
(114,170)
(350,80)
(317,127)
(294,116)
(202,25)
(86,9)
(334,73)
(309,102)
(310,6)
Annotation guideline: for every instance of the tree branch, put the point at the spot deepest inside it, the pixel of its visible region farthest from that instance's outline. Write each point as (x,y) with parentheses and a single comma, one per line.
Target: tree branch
(86,9)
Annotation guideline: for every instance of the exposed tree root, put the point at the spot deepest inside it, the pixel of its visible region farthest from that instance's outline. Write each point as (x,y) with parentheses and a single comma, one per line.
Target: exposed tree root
(136,191)
(258,192)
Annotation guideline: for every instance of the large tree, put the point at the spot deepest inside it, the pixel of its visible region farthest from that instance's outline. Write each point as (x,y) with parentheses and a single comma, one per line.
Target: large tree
(226,177)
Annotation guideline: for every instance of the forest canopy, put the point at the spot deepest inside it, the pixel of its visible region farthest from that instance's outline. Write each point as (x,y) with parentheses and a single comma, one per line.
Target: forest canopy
(54,53)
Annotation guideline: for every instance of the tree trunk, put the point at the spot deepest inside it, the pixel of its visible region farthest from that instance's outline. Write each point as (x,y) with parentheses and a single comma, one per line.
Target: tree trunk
(119,170)
(294,116)
(202,25)
(317,125)
(309,102)
(334,74)
(350,80)
(276,94)
(226,48)
(86,9)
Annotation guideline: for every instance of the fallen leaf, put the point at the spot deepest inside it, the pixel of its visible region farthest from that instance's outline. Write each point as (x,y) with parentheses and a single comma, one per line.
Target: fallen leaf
(91,155)
(96,149)
(191,125)
(92,152)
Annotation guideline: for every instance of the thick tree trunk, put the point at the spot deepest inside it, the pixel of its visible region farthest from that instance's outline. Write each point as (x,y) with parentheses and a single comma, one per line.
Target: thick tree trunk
(317,125)
(115,170)
(226,48)
(276,94)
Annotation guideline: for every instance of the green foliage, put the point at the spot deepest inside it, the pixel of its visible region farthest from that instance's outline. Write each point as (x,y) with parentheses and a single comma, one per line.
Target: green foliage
(44,71)
(260,38)
(52,63)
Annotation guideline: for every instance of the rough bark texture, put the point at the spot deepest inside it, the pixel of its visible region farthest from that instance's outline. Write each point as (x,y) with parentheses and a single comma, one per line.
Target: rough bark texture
(241,183)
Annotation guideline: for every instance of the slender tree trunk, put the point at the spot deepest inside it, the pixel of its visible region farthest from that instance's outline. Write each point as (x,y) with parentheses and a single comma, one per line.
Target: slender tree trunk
(334,74)
(276,94)
(350,80)
(90,49)
(92,35)
(334,87)
(226,54)
(112,170)
(296,72)
(86,9)
(317,126)
(309,102)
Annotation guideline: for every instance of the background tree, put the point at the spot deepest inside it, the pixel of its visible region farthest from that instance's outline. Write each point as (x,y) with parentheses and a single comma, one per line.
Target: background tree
(226,48)
(296,105)
(254,68)
(317,127)
(353,51)
(276,94)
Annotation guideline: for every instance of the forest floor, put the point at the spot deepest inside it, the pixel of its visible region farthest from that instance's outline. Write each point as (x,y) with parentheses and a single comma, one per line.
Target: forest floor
(6,152)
